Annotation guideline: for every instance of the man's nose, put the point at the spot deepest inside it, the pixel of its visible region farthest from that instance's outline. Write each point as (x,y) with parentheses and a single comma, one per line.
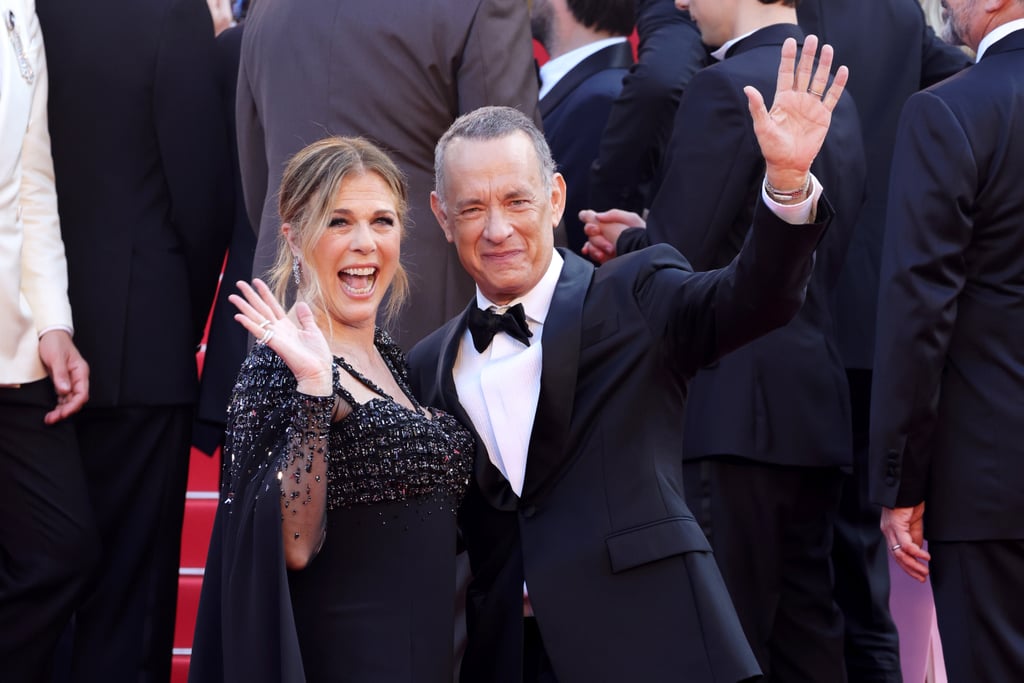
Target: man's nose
(498,227)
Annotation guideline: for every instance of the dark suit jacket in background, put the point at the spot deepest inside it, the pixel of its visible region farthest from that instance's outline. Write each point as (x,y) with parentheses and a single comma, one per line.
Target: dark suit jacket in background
(144,188)
(782,399)
(397,73)
(574,112)
(892,53)
(946,423)
(227,342)
(620,575)
(626,173)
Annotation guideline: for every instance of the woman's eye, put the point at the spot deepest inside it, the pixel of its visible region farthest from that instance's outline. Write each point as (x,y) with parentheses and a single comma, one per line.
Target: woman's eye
(337,222)
(386,220)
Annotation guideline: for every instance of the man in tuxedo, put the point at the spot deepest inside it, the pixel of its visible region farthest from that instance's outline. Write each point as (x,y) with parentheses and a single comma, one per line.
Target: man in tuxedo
(47,539)
(903,56)
(586,41)
(946,429)
(143,185)
(767,429)
(576,406)
(627,169)
(363,67)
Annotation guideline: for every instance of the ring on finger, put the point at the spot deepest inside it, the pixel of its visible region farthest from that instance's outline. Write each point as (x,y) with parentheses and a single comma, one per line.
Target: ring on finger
(265,324)
(267,336)
(896,547)
(815,93)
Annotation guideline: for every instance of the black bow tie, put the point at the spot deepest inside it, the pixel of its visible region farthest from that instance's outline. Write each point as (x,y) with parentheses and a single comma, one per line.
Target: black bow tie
(483,325)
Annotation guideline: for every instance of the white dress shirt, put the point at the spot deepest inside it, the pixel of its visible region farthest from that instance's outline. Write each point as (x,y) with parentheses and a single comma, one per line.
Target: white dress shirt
(499,388)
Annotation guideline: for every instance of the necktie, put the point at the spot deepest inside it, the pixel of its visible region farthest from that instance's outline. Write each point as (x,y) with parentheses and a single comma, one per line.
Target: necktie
(483,325)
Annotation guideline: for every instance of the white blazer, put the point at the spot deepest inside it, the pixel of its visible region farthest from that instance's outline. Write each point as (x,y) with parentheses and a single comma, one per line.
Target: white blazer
(33,270)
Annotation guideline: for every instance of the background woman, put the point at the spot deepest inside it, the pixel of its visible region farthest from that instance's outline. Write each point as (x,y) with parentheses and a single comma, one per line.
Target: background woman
(332,556)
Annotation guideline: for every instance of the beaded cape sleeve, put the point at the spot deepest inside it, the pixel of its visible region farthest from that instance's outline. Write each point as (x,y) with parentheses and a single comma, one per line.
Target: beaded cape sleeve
(245,627)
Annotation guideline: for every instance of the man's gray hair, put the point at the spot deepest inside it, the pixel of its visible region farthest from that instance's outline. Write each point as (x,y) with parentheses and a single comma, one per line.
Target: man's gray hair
(492,123)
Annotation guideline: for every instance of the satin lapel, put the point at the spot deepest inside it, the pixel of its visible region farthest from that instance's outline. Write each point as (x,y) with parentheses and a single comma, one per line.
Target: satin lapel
(561,339)
(617,56)
(492,484)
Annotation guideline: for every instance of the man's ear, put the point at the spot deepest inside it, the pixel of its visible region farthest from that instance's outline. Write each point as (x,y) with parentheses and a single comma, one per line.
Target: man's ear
(441,215)
(557,198)
(289,236)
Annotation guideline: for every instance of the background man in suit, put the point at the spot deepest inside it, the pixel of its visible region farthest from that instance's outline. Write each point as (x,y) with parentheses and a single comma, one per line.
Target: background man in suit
(141,156)
(946,428)
(586,41)
(767,428)
(577,489)
(627,170)
(362,67)
(47,538)
(903,56)
(227,342)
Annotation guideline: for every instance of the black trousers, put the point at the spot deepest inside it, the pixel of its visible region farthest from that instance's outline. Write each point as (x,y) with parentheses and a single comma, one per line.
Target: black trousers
(771,530)
(872,648)
(136,462)
(977,589)
(48,544)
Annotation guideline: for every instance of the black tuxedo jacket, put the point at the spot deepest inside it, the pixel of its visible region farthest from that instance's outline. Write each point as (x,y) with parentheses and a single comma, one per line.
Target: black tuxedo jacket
(574,112)
(784,398)
(620,576)
(946,423)
(227,342)
(892,53)
(626,171)
(140,151)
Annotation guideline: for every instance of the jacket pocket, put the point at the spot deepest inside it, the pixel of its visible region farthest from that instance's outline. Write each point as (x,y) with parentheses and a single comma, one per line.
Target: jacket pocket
(654,541)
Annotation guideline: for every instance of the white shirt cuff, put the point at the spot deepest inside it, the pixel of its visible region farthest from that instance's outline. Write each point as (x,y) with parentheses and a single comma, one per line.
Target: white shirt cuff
(794,214)
(51,328)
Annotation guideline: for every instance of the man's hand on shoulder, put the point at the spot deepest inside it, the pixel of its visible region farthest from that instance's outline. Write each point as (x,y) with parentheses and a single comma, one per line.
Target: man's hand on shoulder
(68,371)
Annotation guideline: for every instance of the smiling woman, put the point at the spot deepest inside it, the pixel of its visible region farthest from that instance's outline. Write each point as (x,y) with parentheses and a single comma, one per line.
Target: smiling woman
(325,438)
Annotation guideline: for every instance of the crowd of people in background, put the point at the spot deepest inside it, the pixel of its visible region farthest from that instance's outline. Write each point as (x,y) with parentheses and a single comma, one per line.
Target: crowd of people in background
(743,283)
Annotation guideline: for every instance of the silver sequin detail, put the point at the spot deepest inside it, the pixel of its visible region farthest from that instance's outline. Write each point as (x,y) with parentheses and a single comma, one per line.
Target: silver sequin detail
(19,50)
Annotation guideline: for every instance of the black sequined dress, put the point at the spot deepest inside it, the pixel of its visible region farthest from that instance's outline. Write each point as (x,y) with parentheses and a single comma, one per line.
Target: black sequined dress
(376,603)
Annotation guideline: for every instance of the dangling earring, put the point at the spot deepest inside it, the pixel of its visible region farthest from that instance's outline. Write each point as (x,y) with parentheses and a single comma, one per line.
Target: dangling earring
(297,272)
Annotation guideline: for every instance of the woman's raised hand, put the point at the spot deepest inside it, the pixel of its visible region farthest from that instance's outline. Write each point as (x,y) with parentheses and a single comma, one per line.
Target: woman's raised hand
(296,339)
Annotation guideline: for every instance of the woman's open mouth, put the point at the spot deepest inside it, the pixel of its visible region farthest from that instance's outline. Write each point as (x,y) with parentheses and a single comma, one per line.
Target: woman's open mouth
(358,281)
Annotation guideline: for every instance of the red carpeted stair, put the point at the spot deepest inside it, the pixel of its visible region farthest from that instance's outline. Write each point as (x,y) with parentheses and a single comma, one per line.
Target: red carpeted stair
(200,506)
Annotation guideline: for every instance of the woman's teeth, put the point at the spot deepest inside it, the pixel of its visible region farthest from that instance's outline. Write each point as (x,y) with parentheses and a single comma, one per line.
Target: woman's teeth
(359,280)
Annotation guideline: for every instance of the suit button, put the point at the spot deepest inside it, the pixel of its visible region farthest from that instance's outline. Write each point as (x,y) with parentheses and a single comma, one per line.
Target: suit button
(529,511)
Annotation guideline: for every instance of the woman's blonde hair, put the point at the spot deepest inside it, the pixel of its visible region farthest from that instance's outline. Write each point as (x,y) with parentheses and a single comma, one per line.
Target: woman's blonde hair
(306,202)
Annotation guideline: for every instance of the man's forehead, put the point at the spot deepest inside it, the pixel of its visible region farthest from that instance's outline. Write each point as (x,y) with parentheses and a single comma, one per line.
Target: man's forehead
(479,161)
